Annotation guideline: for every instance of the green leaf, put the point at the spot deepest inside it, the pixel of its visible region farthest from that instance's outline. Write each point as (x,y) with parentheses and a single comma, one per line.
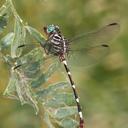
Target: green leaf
(3,22)
(4,15)
(31,63)
(19,38)
(36,34)
(19,86)
(52,68)
(69,123)
(9,60)
(47,120)
(11,87)
(61,99)
(6,41)
(64,112)
(5,8)
(39,81)
(42,94)
(34,55)
(45,76)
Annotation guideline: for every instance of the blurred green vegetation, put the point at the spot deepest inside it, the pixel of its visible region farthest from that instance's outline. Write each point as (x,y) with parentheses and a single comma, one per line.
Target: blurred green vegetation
(103,88)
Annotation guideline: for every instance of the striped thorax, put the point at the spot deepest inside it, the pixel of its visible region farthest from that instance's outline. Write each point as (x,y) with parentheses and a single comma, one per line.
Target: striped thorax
(56,44)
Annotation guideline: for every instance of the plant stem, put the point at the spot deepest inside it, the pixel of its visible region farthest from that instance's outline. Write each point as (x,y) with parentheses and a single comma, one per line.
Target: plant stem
(14,11)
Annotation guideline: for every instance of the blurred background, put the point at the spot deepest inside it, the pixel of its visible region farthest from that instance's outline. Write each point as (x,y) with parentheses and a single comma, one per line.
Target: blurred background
(103,88)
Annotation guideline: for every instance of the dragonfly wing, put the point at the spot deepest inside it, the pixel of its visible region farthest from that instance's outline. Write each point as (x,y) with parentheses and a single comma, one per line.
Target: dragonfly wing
(103,35)
(88,56)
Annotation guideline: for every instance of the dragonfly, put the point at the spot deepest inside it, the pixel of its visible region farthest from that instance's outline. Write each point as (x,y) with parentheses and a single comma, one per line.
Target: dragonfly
(86,49)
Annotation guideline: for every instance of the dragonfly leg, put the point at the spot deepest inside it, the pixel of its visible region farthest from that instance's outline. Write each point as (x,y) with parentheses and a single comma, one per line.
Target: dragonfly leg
(16,66)
(20,46)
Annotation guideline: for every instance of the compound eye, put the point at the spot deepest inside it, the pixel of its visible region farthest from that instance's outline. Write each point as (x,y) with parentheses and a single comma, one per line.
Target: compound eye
(50,28)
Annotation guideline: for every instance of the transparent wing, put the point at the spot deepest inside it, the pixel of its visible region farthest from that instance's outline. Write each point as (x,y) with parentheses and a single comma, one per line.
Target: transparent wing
(88,49)
(89,56)
(91,39)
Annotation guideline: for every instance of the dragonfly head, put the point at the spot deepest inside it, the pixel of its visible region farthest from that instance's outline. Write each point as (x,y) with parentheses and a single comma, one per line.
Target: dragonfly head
(50,29)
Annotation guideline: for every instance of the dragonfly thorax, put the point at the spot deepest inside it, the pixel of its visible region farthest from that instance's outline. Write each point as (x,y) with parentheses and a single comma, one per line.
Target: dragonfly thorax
(56,45)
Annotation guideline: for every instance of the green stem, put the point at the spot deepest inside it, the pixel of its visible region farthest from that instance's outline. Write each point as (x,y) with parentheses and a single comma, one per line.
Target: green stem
(14,11)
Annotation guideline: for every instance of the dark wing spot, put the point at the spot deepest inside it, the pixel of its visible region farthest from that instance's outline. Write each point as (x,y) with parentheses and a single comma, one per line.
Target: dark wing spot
(105,45)
(113,24)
